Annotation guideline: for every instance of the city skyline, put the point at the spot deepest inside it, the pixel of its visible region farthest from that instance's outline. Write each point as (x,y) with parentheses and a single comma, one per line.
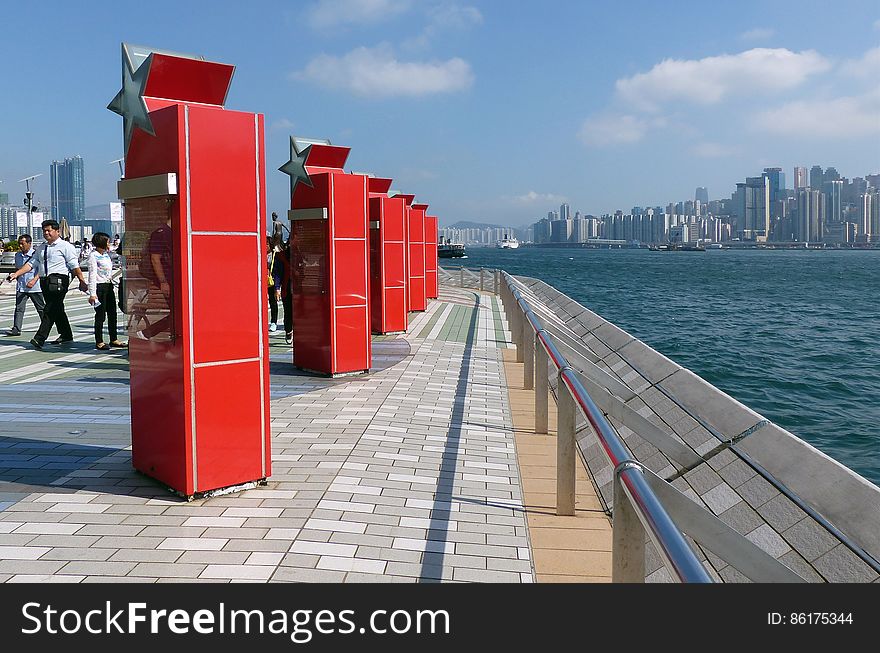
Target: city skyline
(608,113)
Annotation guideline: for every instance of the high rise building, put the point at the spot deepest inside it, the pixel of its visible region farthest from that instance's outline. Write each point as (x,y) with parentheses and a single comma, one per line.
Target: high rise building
(833,191)
(817,177)
(870,216)
(831,174)
(810,224)
(68,194)
(800,178)
(701,195)
(777,183)
(756,208)
(564,212)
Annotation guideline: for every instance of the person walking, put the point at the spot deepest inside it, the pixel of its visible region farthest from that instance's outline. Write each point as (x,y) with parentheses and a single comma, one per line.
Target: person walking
(273,290)
(101,295)
(28,286)
(54,261)
(281,273)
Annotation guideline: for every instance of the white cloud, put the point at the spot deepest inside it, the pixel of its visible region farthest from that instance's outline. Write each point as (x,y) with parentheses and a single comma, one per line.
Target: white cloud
(757,34)
(281,125)
(448,18)
(710,80)
(331,13)
(376,72)
(853,117)
(607,129)
(534,198)
(709,150)
(868,66)
(452,16)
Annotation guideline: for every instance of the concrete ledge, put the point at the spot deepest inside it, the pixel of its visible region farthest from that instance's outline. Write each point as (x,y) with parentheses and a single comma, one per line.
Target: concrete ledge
(718,409)
(847,500)
(653,365)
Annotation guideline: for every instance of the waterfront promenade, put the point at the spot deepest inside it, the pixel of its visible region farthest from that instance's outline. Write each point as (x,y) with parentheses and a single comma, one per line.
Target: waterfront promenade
(408,474)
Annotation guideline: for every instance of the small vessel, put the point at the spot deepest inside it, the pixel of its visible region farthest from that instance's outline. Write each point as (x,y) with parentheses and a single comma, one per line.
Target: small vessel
(716,246)
(508,242)
(451,250)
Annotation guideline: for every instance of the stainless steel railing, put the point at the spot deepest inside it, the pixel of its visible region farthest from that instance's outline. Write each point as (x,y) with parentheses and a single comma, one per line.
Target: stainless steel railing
(644,503)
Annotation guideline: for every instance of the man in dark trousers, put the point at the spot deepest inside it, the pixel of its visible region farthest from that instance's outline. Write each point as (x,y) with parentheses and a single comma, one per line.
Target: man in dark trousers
(54,261)
(28,287)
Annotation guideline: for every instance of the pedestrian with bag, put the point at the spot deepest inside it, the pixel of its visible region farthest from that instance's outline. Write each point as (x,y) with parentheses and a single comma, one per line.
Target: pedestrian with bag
(27,288)
(273,289)
(54,261)
(101,295)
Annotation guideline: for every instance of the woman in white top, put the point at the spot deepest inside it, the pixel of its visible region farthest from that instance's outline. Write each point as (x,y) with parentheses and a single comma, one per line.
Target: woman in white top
(101,295)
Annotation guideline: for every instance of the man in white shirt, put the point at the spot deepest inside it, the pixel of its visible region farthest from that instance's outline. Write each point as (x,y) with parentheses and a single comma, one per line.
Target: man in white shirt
(53,261)
(28,286)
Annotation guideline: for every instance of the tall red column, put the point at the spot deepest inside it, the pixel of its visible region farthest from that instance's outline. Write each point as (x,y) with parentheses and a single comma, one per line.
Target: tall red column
(194,252)
(416,227)
(330,262)
(387,259)
(431,289)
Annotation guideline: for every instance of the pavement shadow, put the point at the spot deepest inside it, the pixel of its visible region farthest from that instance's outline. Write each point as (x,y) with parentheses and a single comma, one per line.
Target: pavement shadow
(29,465)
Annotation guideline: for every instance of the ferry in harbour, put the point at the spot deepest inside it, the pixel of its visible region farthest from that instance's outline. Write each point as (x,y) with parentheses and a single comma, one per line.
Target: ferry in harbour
(449,249)
(508,242)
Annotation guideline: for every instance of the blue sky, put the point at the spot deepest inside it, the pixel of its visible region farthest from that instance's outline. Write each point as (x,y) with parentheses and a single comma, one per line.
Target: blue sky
(487,110)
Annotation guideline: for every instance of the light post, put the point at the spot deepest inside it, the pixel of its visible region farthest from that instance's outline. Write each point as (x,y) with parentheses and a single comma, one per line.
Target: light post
(29,196)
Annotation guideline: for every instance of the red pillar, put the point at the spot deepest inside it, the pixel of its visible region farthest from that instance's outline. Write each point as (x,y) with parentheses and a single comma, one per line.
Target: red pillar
(387,259)
(417,299)
(431,290)
(195,254)
(330,265)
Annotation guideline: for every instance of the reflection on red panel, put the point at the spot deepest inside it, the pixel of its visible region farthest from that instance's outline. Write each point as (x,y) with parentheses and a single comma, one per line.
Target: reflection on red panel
(228,447)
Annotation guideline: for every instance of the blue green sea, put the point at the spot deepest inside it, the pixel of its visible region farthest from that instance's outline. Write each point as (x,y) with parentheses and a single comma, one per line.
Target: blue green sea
(795,335)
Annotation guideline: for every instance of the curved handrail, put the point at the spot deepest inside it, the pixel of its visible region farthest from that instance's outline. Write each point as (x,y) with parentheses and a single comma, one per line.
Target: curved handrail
(670,542)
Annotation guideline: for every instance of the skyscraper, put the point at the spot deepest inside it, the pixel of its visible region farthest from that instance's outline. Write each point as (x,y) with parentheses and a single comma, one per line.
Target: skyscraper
(756,208)
(800,178)
(810,224)
(68,193)
(777,183)
(833,191)
(701,195)
(817,177)
(564,212)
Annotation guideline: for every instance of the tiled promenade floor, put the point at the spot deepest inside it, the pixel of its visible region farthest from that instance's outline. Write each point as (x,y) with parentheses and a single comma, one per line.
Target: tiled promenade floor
(408,474)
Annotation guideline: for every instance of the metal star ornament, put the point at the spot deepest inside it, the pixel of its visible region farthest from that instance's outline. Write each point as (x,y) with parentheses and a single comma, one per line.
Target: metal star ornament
(296,167)
(129,102)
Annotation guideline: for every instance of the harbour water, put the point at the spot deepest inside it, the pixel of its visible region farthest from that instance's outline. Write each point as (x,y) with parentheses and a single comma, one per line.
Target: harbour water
(795,335)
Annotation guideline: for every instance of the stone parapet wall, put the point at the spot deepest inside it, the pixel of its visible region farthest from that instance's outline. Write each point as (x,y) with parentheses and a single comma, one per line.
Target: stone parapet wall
(808,511)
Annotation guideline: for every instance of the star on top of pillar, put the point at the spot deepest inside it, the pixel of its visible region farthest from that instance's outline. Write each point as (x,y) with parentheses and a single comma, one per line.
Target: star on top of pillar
(129,102)
(296,167)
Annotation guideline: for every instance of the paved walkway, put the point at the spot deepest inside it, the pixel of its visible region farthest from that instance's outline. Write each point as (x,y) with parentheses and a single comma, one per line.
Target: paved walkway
(407,474)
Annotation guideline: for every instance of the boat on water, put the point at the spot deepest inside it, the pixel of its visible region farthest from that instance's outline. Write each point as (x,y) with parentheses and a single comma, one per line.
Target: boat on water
(451,250)
(508,242)
(717,246)
(676,247)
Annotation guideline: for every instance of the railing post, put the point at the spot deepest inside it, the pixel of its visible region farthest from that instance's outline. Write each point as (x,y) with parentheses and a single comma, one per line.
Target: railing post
(482,288)
(518,331)
(461,277)
(497,276)
(542,389)
(565,448)
(528,336)
(628,538)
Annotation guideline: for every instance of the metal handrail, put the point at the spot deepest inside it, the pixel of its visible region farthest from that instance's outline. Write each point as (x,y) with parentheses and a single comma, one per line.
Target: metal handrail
(669,541)
(644,503)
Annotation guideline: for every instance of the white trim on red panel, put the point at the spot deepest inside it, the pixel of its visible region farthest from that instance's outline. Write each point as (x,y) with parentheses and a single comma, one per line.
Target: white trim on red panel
(261,261)
(189,274)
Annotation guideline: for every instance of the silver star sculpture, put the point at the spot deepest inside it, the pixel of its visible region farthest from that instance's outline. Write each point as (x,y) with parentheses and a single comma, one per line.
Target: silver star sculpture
(296,167)
(129,102)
